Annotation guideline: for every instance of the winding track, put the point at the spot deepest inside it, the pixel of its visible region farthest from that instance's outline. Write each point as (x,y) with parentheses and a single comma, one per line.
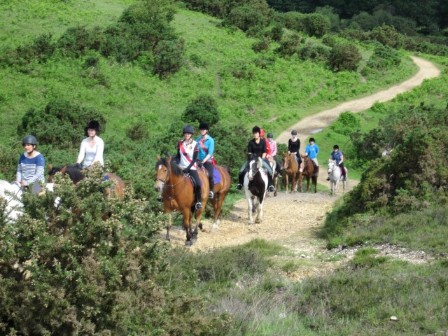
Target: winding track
(292,220)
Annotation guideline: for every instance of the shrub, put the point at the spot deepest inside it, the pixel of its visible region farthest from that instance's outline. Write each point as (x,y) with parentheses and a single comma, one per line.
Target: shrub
(346,123)
(168,57)
(67,270)
(314,51)
(76,41)
(386,35)
(60,123)
(203,108)
(315,24)
(289,45)
(246,16)
(276,33)
(261,45)
(383,58)
(344,57)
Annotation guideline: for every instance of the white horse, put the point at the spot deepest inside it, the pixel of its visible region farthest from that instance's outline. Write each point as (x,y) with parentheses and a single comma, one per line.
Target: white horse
(12,194)
(335,174)
(255,186)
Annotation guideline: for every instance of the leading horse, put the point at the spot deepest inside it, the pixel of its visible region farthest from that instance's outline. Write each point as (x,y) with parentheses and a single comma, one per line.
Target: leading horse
(291,170)
(335,175)
(117,188)
(255,186)
(310,171)
(178,194)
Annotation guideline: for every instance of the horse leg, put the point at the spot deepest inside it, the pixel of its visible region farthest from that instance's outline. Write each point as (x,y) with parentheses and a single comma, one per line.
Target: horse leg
(168,226)
(250,208)
(259,217)
(314,181)
(187,225)
(218,209)
(286,181)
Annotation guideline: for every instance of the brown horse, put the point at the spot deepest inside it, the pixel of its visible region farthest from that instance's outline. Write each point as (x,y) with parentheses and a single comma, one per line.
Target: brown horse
(309,171)
(116,190)
(178,194)
(291,170)
(220,190)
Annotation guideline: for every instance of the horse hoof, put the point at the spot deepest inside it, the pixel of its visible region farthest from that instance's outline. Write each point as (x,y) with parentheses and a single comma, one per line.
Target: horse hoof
(200,227)
(275,193)
(188,243)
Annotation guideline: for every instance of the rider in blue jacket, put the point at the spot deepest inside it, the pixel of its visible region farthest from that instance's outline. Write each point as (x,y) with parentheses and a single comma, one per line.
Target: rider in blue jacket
(205,155)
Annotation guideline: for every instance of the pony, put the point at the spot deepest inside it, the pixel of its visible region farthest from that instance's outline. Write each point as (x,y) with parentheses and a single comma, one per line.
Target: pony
(335,175)
(177,192)
(220,189)
(255,186)
(116,190)
(291,171)
(310,171)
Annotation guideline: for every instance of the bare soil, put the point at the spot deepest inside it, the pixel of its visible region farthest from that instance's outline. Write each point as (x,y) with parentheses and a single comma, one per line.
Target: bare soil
(294,219)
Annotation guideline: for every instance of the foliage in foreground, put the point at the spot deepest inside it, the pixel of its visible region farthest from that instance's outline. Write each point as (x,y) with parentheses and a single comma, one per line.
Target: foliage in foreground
(89,267)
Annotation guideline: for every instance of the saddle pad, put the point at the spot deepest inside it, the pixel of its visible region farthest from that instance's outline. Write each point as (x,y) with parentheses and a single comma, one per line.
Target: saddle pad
(216,176)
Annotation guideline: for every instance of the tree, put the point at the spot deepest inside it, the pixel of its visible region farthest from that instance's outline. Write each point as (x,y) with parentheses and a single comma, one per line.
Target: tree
(344,57)
(203,108)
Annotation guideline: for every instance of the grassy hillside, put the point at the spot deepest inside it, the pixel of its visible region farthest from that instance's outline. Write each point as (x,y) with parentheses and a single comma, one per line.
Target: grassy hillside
(274,96)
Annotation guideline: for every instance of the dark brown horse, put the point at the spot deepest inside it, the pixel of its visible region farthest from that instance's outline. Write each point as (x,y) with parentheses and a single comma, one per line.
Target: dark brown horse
(291,170)
(116,190)
(309,171)
(178,194)
(220,190)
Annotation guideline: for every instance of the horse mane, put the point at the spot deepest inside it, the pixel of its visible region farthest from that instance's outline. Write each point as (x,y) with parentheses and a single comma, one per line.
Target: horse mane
(174,166)
(73,171)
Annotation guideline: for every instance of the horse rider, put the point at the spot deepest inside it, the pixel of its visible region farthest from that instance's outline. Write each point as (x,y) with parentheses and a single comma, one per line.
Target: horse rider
(338,156)
(187,155)
(206,150)
(294,146)
(257,147)
(92,147)
(311,150)
(268,147)
(31,166)
(273,154)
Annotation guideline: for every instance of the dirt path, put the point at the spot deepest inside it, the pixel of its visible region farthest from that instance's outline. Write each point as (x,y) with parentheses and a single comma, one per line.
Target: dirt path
(293,219)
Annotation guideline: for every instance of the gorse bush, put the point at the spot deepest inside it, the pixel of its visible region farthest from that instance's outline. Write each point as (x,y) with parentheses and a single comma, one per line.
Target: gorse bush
(382,59)
(289,45)
(344,57)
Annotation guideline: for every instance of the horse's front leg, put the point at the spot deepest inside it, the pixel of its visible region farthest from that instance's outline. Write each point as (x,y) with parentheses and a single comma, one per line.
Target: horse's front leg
(259,217)
(168,226)
(250,207)
(187,226)
(286,181)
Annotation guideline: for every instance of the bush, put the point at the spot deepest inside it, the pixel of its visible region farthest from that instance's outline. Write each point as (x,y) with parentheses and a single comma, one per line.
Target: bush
(246,17)
(261,45)
(289,45)
(203,108)
(168,57)
(60,124)
(76,41)
(276,33)
(382,59)
(315,24)
(386,35)
(346,123)
(314,51)
(344,57)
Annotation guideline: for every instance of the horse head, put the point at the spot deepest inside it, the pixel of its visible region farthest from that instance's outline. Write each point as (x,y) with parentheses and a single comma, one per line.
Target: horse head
(331,165)
(162,173)
(255,164)
(73,171)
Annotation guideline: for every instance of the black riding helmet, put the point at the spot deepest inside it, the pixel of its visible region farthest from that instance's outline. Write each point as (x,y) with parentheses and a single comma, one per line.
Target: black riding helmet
(93,124)
(335,147)
(312,139)
(270,136)
(203,126)
(29,139)
(293,132)
(188,129)
(256,129)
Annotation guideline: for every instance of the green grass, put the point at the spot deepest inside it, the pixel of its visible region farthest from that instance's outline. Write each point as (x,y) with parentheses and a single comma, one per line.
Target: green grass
(275,97)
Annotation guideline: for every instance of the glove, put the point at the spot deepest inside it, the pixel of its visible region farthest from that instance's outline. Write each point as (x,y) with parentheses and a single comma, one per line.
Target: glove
(185,171)
(199,164)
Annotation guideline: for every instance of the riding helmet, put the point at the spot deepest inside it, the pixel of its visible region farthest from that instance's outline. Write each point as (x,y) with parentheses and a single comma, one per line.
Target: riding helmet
(93,124)
(335,147)
(203,126)
(293,132)
(188,129)
(261,132)
(312,140)
(256,129)
(29,139)
(270,136)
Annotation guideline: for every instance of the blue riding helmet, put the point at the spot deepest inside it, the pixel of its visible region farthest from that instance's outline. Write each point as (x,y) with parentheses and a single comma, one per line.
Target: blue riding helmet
(188,129)
(29,139)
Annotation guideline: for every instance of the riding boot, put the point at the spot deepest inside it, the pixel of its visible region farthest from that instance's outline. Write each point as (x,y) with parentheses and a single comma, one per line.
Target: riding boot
(270,184)
(316,171)
(239,186)
(198,196)
(211,184)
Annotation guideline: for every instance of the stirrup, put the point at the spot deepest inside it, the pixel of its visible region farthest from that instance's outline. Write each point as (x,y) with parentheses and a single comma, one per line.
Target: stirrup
(211,194)
(271,188)
(198,206)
